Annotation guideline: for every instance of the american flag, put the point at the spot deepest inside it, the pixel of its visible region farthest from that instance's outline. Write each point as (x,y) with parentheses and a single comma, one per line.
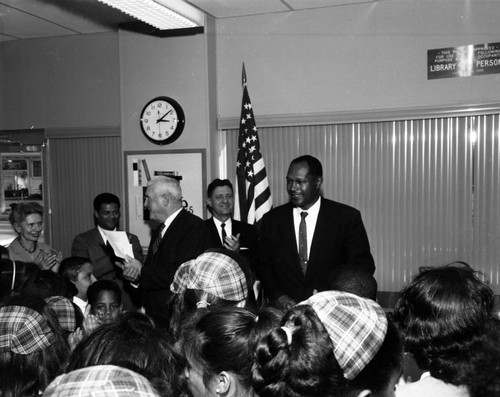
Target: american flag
(253,195)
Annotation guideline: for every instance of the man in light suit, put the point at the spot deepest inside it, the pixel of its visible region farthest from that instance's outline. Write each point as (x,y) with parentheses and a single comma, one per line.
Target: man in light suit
(292,267)
(93,245)
(226,232)
(180,237)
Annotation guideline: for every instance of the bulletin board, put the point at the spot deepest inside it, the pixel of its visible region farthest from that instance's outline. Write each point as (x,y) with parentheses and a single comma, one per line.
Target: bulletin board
(187,166)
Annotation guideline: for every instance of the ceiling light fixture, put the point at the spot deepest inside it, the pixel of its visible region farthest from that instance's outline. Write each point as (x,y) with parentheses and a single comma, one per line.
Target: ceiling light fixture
(162,14)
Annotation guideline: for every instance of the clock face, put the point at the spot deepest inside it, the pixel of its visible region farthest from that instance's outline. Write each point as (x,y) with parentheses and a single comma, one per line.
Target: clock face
(162,120)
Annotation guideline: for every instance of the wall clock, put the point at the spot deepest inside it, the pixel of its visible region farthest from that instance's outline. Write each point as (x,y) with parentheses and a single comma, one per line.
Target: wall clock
(162,120)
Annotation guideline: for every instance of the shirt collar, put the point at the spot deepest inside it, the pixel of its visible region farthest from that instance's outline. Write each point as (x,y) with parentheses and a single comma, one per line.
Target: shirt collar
(170,219)
(313,211)
(101,232)
(218,223)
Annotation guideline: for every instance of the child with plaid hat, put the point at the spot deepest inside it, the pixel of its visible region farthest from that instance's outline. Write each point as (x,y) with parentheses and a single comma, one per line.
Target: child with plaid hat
(333,344)
(215,278)
(101,380)
(132,341)
(32,346)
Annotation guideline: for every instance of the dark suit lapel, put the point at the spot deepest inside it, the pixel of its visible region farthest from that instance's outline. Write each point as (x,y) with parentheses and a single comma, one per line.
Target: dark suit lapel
(214,233)
(96,235)
(236,226)
(288,231)
(168,232)
(322,235)
(172,226)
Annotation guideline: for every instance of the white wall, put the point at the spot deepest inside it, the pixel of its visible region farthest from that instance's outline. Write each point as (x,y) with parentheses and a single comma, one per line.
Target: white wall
(61,82)
(364,57)
(176,67)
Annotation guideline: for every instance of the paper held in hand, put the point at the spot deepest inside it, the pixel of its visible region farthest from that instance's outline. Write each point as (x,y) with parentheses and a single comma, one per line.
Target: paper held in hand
(119,242)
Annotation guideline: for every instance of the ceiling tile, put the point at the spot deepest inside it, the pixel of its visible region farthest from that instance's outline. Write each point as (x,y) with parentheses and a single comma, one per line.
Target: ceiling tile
(4,38)
(308,4)
(233,8)
(81,17)
(21,25)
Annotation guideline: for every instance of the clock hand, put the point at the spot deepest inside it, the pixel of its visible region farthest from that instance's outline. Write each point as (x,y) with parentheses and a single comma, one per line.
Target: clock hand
(162,117)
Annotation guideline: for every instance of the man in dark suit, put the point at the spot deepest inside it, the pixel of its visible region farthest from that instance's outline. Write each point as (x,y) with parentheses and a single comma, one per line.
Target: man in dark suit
(302,242)
(93,244)
(180,237)
(226,232)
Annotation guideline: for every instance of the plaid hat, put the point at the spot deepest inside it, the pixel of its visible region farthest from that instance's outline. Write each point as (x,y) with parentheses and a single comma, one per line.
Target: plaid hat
(24,330)
(101,381)
(64,310)
(212,272)
(357,327)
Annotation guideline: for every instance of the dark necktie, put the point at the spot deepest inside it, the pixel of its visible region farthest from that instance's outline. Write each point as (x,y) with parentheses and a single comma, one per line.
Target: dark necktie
(303,242)
(224,234)
(158,238)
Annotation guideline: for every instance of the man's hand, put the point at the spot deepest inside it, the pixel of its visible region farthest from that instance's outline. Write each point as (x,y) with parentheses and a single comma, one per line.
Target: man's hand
(232,243)
(131,269)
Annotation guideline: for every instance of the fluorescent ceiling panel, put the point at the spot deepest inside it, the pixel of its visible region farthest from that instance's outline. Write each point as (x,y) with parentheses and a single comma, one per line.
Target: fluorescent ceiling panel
(162,14)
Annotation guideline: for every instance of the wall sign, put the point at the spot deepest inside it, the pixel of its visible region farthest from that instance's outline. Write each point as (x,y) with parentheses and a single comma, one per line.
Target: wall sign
(464,61)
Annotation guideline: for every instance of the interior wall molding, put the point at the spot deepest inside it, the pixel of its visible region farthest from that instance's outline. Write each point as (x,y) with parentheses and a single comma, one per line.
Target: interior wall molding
(88,132)
(369,116)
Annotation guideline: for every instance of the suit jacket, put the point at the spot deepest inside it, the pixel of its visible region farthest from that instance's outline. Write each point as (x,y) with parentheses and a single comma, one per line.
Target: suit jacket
(91,245)
(248,239)
(185,239)
(339,238)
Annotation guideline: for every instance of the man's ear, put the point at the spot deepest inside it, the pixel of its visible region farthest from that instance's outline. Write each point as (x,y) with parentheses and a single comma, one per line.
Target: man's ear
(319,182)
(223,383)
(165,200)
(208,202)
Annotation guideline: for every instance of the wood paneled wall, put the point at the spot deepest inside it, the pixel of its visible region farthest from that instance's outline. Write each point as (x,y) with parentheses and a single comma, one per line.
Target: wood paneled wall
(81,165)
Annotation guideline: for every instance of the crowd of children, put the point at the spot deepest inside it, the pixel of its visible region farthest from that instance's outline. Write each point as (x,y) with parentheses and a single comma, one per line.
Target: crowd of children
(66,334)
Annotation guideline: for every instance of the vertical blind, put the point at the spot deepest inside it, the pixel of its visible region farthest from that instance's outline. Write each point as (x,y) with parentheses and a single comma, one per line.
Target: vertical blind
(80,168)
(428,190)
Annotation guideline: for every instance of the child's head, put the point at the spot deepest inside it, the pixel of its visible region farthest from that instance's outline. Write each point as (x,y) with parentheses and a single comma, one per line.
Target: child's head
(78,271)
(351,279)
(46,283)
(442,313)
(219,346)
(105,300)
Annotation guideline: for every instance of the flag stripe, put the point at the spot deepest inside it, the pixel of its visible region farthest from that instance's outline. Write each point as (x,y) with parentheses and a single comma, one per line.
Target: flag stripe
(254,195)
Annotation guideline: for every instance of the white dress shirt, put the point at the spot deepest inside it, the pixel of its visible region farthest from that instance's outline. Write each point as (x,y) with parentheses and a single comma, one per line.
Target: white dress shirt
(228,228)
(311,220)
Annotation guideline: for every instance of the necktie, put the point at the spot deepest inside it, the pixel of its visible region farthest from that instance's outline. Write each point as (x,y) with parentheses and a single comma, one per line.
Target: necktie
(303,242)
(156,243)
(224,234)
